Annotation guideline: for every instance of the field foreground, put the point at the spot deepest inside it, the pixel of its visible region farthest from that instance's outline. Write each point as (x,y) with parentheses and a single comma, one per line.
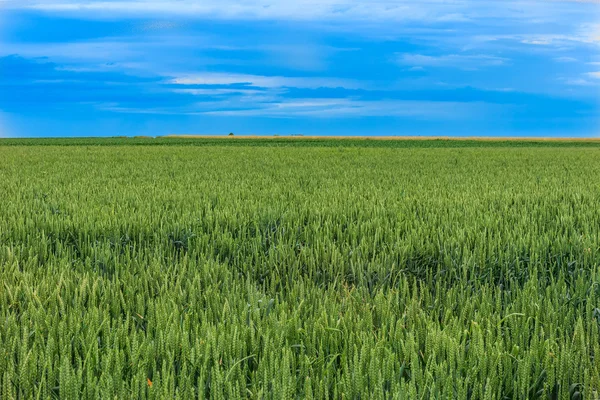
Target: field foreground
(374,271)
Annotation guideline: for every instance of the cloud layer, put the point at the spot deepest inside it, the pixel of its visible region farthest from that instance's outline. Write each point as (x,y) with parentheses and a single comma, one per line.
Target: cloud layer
(397,10)
(462,66)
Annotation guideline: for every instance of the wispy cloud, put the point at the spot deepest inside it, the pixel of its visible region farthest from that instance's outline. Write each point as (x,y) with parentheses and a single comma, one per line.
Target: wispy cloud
(450,60)
(87,50)
(327,108)
(211,78)
(565,59)
(377,10)
(159,26)
(151,52)
(557,39)
(219,91)
(295,9)
(349,108)
(533,39)
(579,82)
(144,55)
(585,79)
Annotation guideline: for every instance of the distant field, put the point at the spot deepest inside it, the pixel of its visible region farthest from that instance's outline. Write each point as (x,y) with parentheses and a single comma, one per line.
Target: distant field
(304,141)
(299,268)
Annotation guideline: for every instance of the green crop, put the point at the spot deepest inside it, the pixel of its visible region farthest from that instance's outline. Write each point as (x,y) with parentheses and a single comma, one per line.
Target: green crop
(345,271)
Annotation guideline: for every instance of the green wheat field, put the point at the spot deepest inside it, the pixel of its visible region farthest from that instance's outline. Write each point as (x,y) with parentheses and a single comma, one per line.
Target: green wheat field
(299,269)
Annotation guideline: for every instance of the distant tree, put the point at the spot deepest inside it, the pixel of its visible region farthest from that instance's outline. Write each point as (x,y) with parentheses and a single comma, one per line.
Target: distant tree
(230,133)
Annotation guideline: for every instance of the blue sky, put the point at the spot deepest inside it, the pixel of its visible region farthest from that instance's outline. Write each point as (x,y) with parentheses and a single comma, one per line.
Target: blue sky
(327,67)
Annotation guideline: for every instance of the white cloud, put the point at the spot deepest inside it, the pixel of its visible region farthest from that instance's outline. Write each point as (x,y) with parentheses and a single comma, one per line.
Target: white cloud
(593,31)
(578,82)
(542,40)
(344,107)
(271,102)
(324,108)
(218,92)
(535,39)
(89,50)
(216,78)
(158,54)
(587,79)
(555,39)
(565,59)
(376,10)
(145,56)
(159,26)
(227,9)
(450,60)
